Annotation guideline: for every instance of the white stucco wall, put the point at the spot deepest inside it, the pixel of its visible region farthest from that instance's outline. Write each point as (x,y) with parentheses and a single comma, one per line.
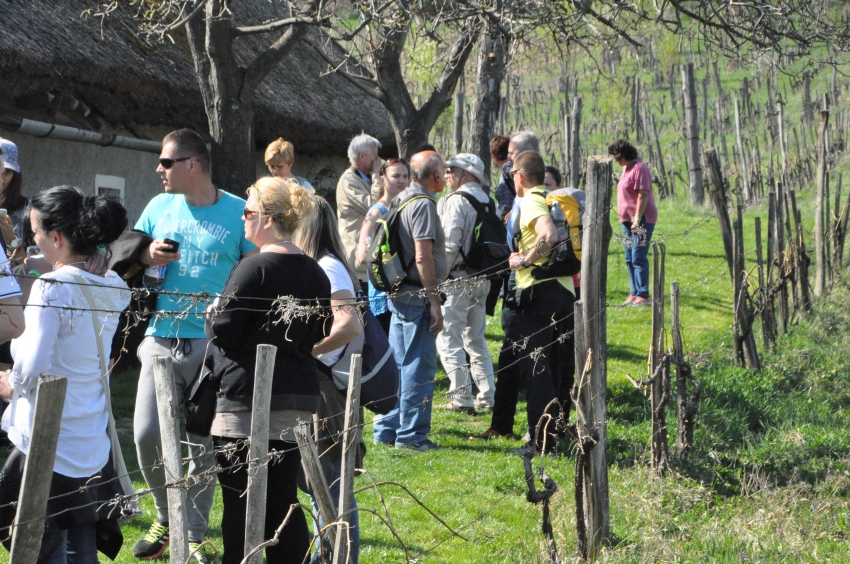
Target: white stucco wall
(48,162)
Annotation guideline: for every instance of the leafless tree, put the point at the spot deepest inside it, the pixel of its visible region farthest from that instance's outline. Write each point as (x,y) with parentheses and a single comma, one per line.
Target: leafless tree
(228,87)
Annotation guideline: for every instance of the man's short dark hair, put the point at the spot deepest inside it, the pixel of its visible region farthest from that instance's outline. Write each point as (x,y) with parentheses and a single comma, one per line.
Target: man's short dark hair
(189,144)
(425,147)
(556,174)
(499,147)
(429,168)
(532,166)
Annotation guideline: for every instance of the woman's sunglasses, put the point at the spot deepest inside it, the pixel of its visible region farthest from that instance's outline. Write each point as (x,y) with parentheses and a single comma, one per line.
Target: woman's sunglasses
(168,163)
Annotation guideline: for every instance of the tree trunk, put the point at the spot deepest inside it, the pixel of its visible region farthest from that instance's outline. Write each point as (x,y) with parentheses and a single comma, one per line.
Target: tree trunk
(492,62)
(227,90)
(411,125)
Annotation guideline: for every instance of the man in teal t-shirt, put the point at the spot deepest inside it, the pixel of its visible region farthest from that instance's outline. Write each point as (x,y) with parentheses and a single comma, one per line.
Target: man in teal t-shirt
(207,224)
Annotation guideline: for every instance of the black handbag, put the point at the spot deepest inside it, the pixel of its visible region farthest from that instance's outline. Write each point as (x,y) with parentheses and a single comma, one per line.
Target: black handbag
(200,401)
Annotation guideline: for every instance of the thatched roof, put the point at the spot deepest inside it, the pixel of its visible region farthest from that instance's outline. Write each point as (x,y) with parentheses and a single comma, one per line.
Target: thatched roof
(47,47)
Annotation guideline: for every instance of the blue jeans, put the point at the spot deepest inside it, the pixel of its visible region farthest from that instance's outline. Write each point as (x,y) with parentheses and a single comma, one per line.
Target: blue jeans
(78,546)
(354,521)
(415,351)
(637,264)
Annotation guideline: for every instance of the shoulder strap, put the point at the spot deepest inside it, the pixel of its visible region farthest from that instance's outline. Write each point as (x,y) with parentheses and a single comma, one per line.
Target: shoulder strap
(84,286)
(475,202)
(407,201)
(130,508)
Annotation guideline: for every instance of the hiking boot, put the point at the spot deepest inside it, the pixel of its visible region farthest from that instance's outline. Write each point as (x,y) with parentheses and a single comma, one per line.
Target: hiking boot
(454,406)
(639,301)
(154,543)
(423,446)
(197,554)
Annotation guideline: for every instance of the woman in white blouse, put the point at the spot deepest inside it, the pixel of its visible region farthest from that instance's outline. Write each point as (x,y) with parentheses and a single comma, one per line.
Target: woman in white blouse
(60,338)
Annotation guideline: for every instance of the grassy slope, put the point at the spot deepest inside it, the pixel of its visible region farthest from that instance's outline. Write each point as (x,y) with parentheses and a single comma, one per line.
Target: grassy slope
(768,481)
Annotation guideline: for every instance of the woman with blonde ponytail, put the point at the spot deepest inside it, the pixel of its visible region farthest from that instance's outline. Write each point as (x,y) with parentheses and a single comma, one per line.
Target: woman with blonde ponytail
(241,320)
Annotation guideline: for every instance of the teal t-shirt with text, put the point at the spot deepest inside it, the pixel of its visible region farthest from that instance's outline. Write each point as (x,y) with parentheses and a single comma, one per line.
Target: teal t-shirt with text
(212,240)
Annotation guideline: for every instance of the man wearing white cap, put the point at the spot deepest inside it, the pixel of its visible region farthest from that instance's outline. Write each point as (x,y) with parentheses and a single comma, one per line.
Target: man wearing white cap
(464,316)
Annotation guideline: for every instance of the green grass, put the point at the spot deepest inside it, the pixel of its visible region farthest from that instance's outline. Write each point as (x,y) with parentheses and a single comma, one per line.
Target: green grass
(767,481)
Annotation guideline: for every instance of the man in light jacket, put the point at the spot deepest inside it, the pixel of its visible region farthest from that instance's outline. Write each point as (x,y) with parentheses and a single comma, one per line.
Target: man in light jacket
(355,194)
(464,315)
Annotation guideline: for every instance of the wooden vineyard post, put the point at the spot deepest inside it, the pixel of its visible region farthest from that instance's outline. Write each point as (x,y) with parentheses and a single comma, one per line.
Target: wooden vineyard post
(316,478)
(686,408)
(820,249)
(745,343)
(258,463)
(692,134)
(349,450)
(802,256)
(575,145)
(781,258)
(594,276)
(745,176)
(581,396)
(718,197)
(172,459)
(768,320)
(38,469)
(660,386)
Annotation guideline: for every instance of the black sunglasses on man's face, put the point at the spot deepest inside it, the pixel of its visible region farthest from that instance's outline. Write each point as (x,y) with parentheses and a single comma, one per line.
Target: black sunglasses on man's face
(168,163)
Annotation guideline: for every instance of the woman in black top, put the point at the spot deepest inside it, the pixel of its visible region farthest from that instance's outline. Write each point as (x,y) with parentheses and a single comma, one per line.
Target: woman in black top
(242,320)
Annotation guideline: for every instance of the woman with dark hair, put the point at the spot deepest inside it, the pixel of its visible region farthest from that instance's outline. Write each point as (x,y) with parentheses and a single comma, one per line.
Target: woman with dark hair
(241,321)
(63,326)
(395,177)
(319,237)
(638,214)
(11,198)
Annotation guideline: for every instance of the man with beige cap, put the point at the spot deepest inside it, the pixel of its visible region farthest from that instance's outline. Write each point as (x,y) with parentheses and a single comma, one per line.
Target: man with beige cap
(464,316)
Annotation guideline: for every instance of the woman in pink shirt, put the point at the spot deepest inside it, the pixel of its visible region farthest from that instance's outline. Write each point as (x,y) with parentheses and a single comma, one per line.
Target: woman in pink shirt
(638,214)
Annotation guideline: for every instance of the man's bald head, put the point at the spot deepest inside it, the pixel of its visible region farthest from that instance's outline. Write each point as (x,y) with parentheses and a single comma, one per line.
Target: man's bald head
(429,170)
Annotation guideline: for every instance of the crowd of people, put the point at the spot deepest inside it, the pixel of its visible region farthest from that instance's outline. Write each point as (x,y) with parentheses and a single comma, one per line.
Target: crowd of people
(283,240)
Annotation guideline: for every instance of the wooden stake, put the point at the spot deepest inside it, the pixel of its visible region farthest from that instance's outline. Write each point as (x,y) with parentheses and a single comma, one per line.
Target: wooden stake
(594,276)
(258,463)
(349,450)
(692,134)
(316,478)
(38,469)
(172,458)
(660,387)
(718,198)
(820,249)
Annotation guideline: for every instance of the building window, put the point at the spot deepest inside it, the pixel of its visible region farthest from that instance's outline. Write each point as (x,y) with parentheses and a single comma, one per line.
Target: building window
(105,185)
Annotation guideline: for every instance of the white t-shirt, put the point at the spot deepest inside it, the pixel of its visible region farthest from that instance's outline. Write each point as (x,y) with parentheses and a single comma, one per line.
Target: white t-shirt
(340,280)
(59,338)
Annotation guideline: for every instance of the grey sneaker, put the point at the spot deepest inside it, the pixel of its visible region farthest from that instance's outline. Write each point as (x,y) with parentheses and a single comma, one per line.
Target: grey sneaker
(423,446)
(483,406)
(455,406)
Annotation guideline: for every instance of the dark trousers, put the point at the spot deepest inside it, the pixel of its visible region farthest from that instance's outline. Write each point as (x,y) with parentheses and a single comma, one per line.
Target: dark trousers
(282,492)
(518,367)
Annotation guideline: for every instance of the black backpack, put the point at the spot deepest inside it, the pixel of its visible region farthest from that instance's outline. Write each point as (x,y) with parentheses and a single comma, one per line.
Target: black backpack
(489,252)
(384,260)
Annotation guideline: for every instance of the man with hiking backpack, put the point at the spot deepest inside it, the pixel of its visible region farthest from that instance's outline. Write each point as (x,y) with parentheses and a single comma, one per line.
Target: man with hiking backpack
(542,302)
(415,303)
(464,215)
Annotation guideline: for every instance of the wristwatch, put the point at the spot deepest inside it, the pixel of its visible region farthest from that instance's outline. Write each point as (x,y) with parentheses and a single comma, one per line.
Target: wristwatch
(13,244)
(522,261)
